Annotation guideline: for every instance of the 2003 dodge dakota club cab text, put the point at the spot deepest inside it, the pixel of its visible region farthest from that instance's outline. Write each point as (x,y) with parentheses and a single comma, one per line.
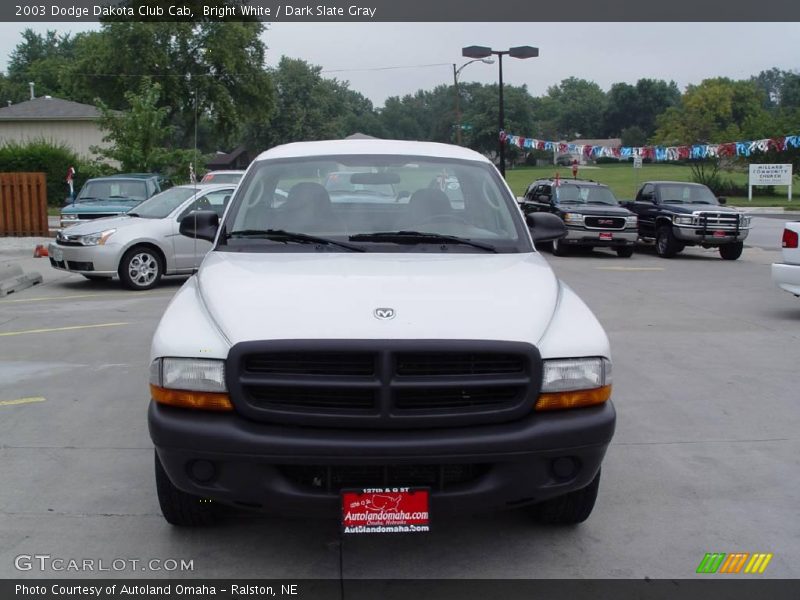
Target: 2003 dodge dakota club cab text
(362,348)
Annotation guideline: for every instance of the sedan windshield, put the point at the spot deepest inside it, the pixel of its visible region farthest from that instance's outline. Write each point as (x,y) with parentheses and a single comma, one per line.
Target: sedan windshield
(584,194)
(161,205)
(379,203)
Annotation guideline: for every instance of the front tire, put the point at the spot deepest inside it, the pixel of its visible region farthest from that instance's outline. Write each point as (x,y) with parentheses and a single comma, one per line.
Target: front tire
(569,509)
(667,245)
(731,251)
(560,248)
(141,268)
(178,507)
(625,251)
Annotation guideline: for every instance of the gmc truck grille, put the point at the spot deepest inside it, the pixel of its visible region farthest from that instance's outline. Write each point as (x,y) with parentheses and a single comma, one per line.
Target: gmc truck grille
(335,478)
(601,222)
(383,383)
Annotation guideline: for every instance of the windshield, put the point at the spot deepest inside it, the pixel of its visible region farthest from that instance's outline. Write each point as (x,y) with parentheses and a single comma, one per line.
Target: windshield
(161,205)
(687,194)
(113,188)
(369,200)
(584,194)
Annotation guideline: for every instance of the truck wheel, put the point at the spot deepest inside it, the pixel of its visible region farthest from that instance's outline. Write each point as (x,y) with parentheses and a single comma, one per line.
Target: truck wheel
(560,248)
(666,244)
(140,268)
(731,251)
(625,251)
(569,509)
(178,507)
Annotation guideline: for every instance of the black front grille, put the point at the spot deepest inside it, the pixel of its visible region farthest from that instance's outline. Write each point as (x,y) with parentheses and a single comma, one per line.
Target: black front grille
(59,264)
(311,363)
(383,383)
(80,265)
(430,364)
(335,478)
(600,222)
(457,397)
(309,398)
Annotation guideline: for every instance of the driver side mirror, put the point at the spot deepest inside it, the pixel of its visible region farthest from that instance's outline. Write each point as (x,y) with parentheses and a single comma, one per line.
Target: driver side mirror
(201,224)
(545,227)
(722,200)
(543,198)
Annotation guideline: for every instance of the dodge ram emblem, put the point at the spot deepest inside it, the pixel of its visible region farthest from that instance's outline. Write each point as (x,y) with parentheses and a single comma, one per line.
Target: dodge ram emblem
(384,314)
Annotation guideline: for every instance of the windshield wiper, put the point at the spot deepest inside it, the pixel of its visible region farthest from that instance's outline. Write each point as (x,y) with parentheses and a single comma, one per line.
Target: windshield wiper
(417,237)
(281,235)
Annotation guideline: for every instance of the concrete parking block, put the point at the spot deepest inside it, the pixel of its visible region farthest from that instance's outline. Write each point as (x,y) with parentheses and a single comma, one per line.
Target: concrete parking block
(13,279)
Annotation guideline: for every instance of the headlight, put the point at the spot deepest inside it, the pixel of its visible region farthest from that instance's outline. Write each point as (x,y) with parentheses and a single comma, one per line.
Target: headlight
(190,383)
(683,220)
(631,221)
(69,217)
(574,382)
(96,239)
(575,218)
(744,221)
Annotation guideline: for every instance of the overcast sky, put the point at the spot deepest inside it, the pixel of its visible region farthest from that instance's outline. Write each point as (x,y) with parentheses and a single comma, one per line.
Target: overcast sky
(603,52)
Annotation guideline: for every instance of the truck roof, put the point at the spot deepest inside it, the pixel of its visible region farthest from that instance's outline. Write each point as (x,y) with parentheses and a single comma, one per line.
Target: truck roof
(388,147)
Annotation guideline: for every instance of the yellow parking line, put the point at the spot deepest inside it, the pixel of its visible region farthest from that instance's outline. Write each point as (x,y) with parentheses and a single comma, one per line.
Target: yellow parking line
(73,328)
(630,268)
(22,401)
(112,295)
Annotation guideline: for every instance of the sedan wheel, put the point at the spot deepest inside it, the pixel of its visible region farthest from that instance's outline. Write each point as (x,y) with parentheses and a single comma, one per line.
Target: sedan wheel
(140,268)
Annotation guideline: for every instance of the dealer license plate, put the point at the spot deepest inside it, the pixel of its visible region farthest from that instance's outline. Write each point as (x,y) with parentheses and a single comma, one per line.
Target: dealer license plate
(386,510)
(606,236)
(58,254)
(719,234)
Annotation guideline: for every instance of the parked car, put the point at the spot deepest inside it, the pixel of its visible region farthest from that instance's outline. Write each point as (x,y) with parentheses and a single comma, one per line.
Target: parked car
(786,275)
(109,196)
(589,210)
(142,245)
(676,214)
(222,177)
(330,350)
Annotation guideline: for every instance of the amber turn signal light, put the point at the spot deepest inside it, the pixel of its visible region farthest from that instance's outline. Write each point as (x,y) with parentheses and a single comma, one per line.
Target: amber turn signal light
(189,399)
(573,399)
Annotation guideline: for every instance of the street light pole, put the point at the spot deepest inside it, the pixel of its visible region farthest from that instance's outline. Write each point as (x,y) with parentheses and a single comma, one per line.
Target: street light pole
(478,52)
(456,72)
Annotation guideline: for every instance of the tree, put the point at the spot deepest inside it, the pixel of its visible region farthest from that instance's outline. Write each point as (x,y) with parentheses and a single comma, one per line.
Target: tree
(139,136)
(716,110)
(576,107)
(41,59)
(638,106)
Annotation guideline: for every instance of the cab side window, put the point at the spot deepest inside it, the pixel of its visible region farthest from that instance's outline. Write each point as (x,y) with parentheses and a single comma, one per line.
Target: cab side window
(647,193)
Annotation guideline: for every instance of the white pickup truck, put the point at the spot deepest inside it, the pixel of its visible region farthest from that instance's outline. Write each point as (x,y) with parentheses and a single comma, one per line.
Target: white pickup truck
(786,275)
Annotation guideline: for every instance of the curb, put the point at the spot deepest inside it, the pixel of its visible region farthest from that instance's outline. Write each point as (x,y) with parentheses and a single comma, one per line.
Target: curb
(12,279)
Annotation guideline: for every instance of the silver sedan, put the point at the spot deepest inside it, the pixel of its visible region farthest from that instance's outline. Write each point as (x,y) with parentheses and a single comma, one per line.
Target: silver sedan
(143,244)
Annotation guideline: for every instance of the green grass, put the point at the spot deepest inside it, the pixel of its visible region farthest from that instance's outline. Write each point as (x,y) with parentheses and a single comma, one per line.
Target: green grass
(624,180)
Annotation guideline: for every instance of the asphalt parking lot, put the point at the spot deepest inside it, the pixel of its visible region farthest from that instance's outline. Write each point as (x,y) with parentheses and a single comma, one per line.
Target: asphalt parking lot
(705,458)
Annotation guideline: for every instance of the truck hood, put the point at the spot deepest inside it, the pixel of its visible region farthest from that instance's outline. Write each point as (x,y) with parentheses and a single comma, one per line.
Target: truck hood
(691,208)
(595,209)
(334,295)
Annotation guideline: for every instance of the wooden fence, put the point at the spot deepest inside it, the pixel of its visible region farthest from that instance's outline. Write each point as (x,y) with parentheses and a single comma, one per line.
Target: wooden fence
(23,204)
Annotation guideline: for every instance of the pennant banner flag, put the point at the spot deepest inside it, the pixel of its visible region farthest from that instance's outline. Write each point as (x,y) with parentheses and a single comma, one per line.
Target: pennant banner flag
(656,153)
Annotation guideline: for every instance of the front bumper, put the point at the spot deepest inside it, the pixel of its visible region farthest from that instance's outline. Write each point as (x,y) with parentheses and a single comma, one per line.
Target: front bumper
(599,237)
(699,235)
(787,277)
(250,460)
(94,260)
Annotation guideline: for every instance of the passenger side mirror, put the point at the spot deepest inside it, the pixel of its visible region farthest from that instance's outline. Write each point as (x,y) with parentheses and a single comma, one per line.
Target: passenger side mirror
(201,224)
(722,200)
(545,227)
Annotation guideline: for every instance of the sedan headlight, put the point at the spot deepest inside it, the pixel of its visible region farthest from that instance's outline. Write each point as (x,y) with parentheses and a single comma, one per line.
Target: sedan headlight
(96,239)
(574,382)
(573,218)
(683,220)
(69,217)
(197,383)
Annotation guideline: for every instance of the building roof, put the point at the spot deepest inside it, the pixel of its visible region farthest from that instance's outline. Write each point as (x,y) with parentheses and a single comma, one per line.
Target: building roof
(222,160)
(375,146)
(48,108)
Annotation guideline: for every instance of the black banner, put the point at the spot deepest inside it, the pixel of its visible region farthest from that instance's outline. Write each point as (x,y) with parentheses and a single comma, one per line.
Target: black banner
(406,10)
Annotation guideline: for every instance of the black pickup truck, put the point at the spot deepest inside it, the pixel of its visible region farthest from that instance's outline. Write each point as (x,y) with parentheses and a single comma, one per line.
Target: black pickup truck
(677,214)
